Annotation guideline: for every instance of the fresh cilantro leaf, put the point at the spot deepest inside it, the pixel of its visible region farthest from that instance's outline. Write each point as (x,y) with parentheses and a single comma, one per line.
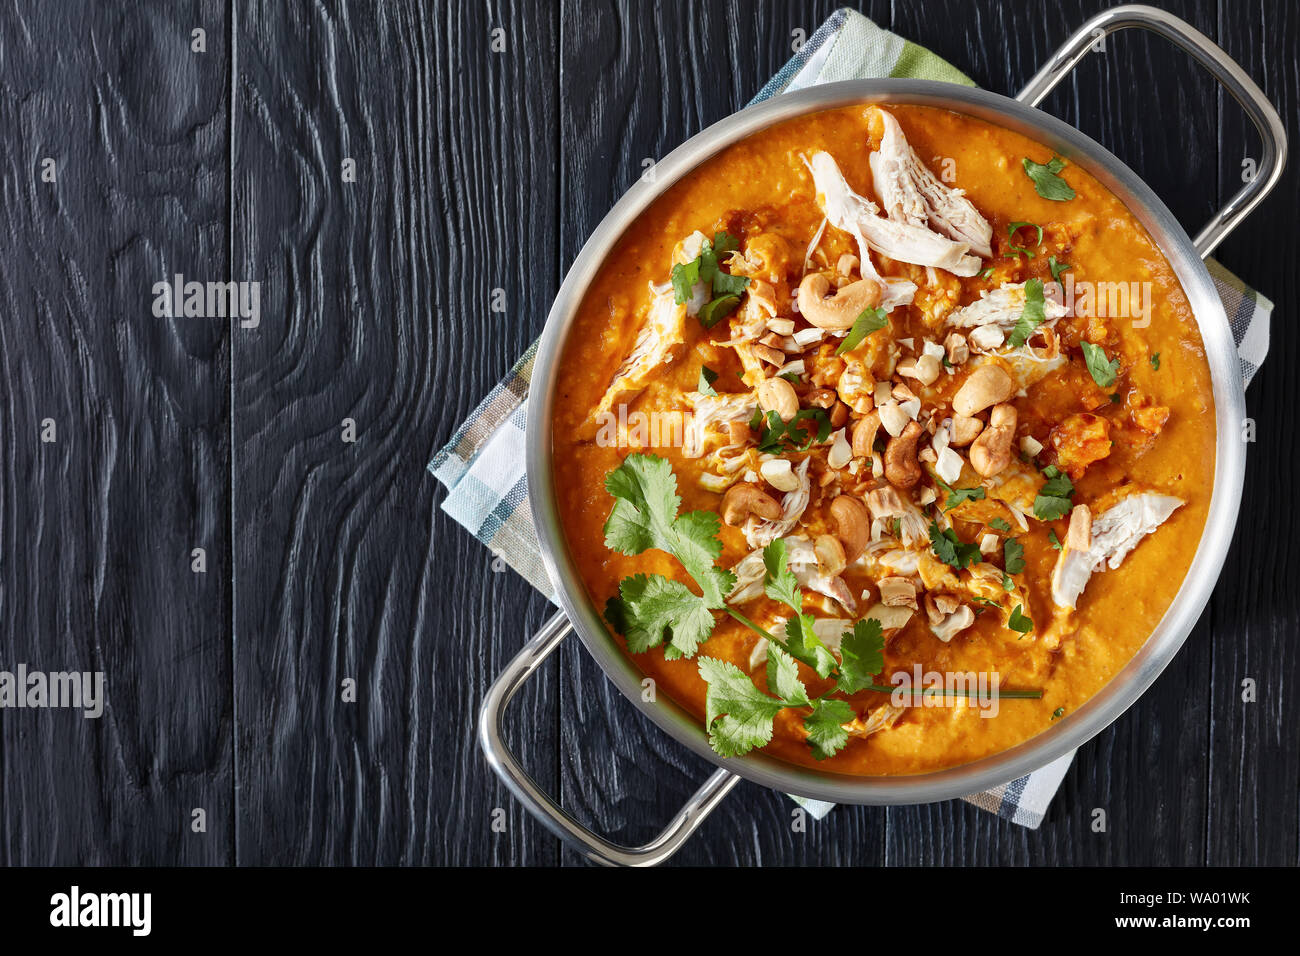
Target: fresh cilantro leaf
(725,243)
(737,714)
(803,644)
(999,524)
(825,726)
(707,378)
(868,321)
(1013,555)
(1012,228)
(646,506)
(1102,369)
(955,496)
(950,549)
(862,656)
(794,378)
(725,284)
(717,309)
(1155,361)
(783,677)
(684,276)
(1055,541)
(1018,621)
(645,516)
(652,609)
(1057,268)
(780,584)
(1046,182)
(1034,314)
(1058,713)
(1007,583)
(1053,499)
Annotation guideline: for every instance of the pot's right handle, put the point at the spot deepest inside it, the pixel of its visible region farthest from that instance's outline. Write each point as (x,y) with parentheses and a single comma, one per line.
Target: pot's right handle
(540,804)
(1224,69)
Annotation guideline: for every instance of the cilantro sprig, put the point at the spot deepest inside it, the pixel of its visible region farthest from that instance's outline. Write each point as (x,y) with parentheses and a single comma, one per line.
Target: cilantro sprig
(1053,499)
(868,321)
(1101,367)
(950,549)
(1046,179)
(955,496)
(725,287)
(776,436)
(1034,314)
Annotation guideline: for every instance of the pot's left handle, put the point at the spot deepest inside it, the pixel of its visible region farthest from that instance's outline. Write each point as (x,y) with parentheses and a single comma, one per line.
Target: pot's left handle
(540,804)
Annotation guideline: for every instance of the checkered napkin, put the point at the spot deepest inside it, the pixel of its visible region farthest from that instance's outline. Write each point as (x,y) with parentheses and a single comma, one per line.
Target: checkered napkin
(483,465)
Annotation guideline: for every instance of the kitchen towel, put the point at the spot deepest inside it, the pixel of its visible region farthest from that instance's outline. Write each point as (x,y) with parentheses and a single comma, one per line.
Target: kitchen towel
(483,464)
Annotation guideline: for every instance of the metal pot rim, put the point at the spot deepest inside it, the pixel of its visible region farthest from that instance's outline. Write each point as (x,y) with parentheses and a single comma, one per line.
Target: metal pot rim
(1135,677)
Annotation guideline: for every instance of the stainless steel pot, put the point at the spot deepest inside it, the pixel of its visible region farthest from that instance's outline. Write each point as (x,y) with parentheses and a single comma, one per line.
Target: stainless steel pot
(1184,254)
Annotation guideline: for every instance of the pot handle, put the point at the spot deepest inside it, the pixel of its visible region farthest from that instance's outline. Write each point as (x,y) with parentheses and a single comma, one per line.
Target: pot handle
(540,804)
(1231,76)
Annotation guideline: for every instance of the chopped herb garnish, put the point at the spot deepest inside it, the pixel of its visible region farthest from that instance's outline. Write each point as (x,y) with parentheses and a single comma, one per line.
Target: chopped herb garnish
(1018,621)
(1047,182)
(999,524)
(707,378)
(704,268)
(1116,398)
(794,378)
(955,496)
(950,549)
(1055,541)
(1053,499)
(1155,361)
(1057,268)
(1058,713)
(985,273)
(870,320)
(1102,368)
(778,436)
(1034,314)
(1021,250)
(1013,555)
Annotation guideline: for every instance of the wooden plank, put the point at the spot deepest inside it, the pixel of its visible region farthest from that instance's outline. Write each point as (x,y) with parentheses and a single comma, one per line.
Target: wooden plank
(97,527)
(377,308)
(1147,772)
(1254,816)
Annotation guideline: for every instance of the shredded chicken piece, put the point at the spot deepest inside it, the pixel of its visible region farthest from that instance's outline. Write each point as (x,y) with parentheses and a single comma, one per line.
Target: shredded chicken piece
(1001,307)
(911,193)
(760,532)
(659,343)
(714,411)
(1115,532)
(902,241)
(882,718)
(886,503)
(750,571)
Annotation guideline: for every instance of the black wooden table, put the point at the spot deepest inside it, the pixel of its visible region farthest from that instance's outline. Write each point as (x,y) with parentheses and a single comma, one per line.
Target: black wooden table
(486,140)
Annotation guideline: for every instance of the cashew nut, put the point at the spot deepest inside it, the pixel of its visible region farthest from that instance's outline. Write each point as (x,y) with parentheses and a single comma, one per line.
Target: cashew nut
(743,499)
(1079,537)
(987,385)
(821,398)
(830,554)
(864,435)
(840,310)
(957,349)
(778,395)
(902,469)
(852,525)
(992,450)
(855,387)
(965,430)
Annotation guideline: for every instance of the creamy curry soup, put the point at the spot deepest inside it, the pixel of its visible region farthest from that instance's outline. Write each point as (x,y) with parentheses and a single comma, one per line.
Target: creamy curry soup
(884,439)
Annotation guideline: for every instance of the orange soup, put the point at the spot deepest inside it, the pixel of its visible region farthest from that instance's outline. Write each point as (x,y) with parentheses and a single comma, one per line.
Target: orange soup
(884,438)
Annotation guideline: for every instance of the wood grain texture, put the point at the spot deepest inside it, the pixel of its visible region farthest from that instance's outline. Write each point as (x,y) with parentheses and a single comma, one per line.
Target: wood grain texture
(480,169)
(377,310)
(96,529)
